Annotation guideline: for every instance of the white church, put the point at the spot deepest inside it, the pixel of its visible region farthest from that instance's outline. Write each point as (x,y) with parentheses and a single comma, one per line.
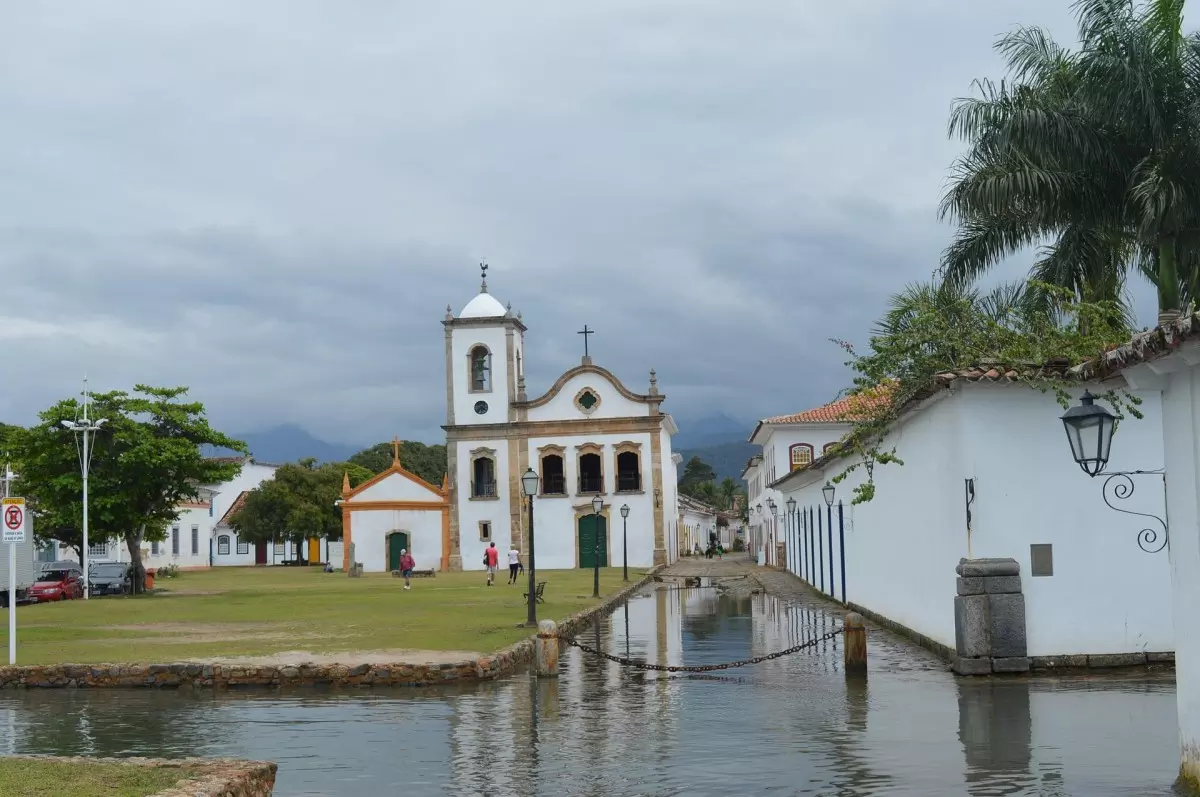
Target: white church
(588,436)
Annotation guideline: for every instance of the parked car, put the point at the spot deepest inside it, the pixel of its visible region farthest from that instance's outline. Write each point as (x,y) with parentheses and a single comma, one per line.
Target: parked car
(57,585)
(61,564)
(109,578)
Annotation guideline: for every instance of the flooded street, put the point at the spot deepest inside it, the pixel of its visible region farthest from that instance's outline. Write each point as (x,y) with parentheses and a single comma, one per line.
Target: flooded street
(788,726)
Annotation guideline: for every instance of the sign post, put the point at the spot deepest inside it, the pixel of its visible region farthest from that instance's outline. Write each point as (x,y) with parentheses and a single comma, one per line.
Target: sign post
(12,532)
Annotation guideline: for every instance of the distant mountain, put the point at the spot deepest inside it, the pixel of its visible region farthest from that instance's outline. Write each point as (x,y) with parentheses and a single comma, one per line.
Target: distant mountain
(710,430)
(289,443)
(727,459)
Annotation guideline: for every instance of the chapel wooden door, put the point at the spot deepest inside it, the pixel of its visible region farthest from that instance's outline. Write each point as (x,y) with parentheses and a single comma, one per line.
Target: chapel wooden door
(397,542)
(593,533)
(260,553)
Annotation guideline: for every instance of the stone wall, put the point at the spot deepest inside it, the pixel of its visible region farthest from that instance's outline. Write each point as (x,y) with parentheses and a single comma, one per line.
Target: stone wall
(219,777)
(219,676)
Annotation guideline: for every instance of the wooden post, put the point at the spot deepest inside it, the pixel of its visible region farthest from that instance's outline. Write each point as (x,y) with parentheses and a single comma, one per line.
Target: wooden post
(545,649)
(854,645)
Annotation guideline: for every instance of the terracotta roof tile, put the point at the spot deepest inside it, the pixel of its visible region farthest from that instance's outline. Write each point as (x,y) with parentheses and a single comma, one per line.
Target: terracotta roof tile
(844,410)
(237,504)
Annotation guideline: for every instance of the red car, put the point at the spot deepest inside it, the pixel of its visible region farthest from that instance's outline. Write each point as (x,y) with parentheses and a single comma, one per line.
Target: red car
(57,585)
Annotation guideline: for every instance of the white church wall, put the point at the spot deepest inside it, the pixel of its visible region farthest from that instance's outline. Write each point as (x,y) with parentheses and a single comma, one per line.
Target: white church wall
(670,493)
(369,530)
(902,547)
(471,512)
(463,340)
(612,403)
(554,516)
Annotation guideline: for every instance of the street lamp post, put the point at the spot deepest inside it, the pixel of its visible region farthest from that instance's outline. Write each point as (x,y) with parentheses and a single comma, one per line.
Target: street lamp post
(529,483)
(86,429)
(597,505)
(758,534)
(770,551)
(625,540)
(791,514)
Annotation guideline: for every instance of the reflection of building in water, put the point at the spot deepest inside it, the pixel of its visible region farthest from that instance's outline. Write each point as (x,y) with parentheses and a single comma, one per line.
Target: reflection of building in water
(490,732)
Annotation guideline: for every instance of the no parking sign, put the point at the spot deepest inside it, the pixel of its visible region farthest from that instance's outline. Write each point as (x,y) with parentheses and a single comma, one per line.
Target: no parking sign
(12,513)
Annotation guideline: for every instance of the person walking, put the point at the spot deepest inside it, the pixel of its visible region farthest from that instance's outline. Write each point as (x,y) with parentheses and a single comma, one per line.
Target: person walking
(407,565)
(491,559)
(514,563)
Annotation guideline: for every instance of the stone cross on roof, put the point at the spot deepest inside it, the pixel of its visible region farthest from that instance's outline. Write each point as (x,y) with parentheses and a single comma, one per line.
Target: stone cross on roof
(395,450)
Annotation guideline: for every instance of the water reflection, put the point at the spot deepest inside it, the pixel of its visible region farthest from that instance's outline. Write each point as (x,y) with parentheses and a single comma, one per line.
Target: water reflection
(789,726)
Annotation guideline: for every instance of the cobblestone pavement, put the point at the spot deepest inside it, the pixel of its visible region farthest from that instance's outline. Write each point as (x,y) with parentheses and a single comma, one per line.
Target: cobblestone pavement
(887,652)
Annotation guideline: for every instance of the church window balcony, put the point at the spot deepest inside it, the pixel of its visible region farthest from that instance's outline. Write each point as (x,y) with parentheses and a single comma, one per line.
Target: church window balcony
(483,489)
(483,474)
(629,468)
(591,471)
(554,481)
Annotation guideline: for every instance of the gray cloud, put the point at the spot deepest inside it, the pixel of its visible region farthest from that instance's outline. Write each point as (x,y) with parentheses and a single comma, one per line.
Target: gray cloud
(273,203)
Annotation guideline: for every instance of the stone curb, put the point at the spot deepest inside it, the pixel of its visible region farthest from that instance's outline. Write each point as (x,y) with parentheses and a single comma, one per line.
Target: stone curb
(218,777)
(223,676)
(1040,664)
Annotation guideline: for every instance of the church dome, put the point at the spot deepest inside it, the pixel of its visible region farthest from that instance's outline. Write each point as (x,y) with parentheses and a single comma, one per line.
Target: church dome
(483,306)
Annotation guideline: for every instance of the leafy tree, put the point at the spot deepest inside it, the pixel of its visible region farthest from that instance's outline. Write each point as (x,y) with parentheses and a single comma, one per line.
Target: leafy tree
(696,473)
(145,461)
(729,491)
(931,330)
(428,462)
(299,502)
(1094,150)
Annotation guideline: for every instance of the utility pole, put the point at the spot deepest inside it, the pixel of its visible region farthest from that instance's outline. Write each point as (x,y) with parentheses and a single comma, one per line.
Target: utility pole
(86,429)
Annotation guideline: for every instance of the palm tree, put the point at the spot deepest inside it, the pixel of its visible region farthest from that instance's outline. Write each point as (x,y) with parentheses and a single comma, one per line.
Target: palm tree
(1093,151)
(727,491)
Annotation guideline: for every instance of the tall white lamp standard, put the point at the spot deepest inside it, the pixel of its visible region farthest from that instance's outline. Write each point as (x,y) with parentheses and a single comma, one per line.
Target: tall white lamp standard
(85,429)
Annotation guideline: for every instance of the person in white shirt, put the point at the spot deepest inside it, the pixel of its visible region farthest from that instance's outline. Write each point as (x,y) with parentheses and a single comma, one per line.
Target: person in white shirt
(514,564)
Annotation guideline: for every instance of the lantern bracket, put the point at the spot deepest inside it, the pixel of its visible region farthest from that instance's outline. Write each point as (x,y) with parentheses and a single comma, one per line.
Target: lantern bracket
(1120,486)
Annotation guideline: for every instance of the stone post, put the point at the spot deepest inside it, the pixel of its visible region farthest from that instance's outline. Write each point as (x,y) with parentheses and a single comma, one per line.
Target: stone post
(854,646)
(989,618)
(545,649)
(354,570)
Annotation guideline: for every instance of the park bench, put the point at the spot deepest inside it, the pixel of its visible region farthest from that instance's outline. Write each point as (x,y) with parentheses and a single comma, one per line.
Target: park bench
(416,574)
(538,592)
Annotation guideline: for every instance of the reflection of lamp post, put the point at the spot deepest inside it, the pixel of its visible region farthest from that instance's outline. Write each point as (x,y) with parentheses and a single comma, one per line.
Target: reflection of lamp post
(597,505)
(85,428)
(625,540)
(529,483)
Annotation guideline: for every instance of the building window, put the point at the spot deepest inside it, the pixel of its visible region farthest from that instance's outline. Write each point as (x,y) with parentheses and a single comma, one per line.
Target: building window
(553,471)
(587,400)
(174,541)
(1041,560)
(485,531)
(47,552)
(629,469)
(195,540)
(223,545)
(591,470)
(243,546)
(481,369)
(210,507)
(483,474)
(98,551)
(801,455)
(828,447)
(280,548)
(154,548)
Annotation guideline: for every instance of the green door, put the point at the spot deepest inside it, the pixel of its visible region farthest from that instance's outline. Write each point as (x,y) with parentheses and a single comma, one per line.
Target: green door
(592,527)
(397,542)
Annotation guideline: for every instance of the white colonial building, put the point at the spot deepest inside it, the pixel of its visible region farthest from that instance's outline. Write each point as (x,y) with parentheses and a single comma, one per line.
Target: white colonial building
(983,476)
(696,521)
(587,436)
(789,443)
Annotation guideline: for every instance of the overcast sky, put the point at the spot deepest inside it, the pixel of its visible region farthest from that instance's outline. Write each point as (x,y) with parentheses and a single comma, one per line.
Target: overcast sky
(273,202)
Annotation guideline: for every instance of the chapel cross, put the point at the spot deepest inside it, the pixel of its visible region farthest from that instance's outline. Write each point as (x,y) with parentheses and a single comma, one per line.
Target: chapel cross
(585,332)
(396,450)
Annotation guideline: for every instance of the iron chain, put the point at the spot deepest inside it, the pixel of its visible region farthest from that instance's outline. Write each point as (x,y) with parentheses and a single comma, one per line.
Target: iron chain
(642,665)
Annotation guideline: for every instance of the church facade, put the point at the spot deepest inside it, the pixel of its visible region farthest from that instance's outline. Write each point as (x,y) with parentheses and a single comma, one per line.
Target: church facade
(588,435)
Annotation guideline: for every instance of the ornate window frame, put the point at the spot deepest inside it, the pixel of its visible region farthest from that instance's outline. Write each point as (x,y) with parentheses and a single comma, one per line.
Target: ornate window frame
(490,381)
(551,450)
(798,448)
(223,545)
(629,447)
(587,410)
(488,525)
(484,452)
(580,451)
(825,449)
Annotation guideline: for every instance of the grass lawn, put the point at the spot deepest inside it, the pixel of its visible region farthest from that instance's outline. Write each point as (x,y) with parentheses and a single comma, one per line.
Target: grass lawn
(288,612)
(23,778)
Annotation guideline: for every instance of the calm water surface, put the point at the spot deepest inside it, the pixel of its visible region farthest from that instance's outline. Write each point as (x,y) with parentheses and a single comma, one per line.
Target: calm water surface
(789,727)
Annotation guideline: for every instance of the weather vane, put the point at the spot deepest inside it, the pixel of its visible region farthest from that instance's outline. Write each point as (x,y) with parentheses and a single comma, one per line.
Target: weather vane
(483,267)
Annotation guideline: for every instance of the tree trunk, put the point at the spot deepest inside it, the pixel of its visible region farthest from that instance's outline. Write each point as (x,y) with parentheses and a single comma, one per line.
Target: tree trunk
(1168,280)
(137,571)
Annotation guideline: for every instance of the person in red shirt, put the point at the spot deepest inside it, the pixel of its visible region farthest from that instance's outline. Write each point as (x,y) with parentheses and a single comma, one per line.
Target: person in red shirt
(491,558)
